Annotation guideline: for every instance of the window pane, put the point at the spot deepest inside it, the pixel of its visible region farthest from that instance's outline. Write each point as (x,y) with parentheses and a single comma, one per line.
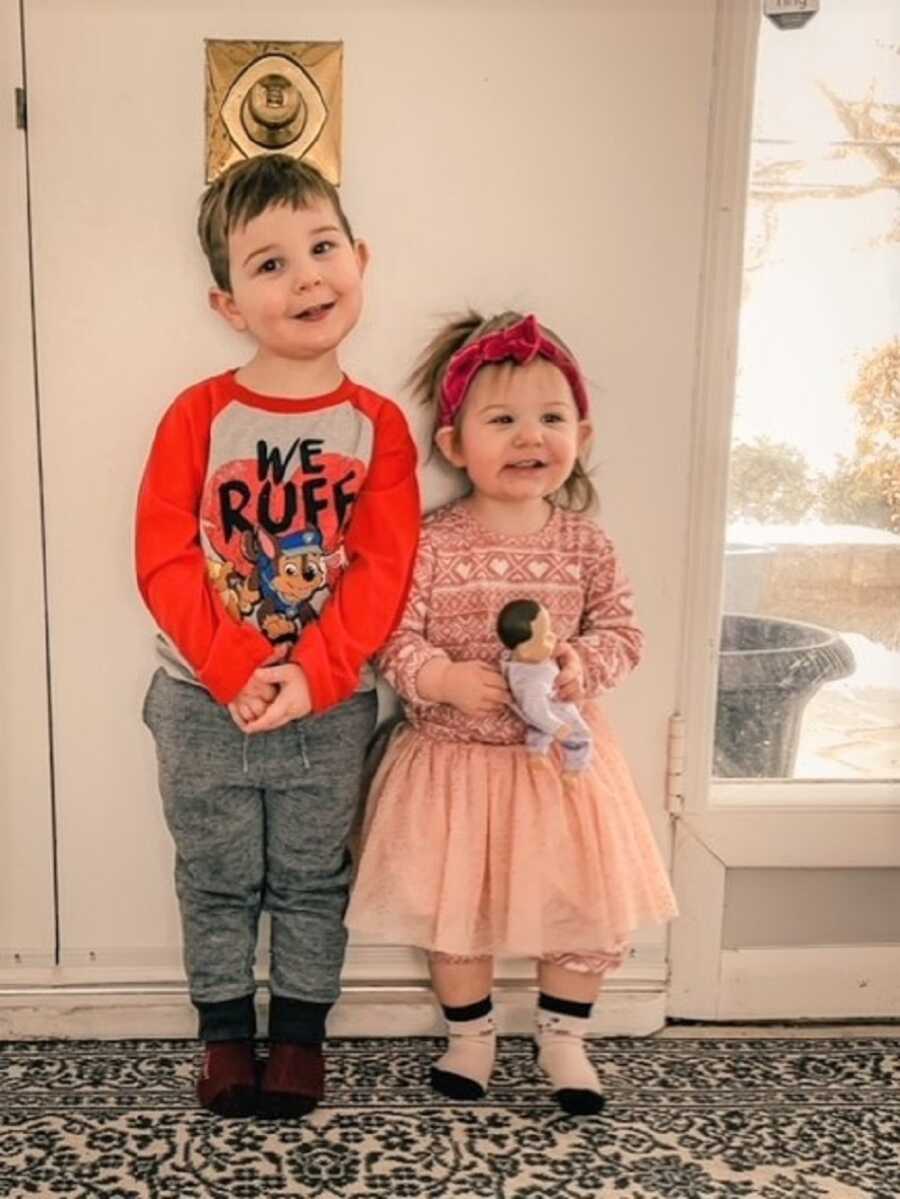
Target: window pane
(809,676)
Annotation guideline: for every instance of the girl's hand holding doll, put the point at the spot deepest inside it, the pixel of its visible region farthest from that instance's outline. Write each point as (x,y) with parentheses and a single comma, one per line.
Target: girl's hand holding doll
(473,687)
(570,680)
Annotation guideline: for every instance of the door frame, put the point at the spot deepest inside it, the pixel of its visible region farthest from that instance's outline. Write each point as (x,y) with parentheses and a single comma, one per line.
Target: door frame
(721,826)
(28,908)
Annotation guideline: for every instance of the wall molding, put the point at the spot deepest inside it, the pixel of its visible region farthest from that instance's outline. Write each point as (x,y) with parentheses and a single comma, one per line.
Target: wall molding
(395,1009)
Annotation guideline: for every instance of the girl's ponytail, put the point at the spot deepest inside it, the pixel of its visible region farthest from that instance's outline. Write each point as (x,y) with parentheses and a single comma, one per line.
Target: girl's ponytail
(425,378)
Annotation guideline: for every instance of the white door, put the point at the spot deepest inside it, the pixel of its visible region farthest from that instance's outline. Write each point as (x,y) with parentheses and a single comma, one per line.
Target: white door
(27,908)
(477,163)
(787,870)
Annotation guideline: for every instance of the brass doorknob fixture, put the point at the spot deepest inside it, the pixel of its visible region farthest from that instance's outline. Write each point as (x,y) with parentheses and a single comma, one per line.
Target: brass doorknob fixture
(268,97)
(273,112)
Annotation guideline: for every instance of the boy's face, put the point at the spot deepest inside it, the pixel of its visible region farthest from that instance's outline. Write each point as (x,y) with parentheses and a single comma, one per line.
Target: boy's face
(296,281)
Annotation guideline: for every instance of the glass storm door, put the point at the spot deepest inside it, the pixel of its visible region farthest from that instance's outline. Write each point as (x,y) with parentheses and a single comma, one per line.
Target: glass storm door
(788,831)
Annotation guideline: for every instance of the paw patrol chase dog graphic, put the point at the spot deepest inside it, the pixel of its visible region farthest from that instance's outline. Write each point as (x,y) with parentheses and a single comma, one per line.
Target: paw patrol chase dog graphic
(290,571)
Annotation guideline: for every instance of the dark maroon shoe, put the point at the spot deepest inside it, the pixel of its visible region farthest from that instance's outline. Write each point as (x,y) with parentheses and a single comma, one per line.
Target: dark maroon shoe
(293,1081)
(227,1083)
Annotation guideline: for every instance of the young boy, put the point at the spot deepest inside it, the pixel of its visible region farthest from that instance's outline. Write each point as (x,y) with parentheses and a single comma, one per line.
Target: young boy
(277,524)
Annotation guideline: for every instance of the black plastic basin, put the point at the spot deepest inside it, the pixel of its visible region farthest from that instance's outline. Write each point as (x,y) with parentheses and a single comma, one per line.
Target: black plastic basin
(769,669)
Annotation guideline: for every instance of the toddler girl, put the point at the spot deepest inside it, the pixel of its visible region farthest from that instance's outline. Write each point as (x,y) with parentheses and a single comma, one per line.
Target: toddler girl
(473,847)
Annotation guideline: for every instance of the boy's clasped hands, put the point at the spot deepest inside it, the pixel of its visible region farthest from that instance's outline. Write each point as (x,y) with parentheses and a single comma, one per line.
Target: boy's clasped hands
(276,693)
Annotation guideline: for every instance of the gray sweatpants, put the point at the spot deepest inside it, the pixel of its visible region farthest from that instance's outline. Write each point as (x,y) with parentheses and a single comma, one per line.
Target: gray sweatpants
(259,822)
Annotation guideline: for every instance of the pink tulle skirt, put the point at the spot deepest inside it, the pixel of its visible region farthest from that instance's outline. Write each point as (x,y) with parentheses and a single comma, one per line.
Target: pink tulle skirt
(477,849)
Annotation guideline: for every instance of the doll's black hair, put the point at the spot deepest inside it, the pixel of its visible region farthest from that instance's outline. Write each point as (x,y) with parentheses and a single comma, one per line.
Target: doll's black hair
(515,621)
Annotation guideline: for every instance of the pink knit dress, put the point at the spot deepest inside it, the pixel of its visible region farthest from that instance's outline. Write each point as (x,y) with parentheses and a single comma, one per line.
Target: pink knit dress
(470,845)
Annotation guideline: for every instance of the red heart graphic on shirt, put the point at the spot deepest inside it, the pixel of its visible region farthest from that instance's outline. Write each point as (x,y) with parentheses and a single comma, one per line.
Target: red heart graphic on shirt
(237,501)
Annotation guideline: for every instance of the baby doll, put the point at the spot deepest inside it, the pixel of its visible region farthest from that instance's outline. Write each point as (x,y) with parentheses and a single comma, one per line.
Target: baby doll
(524,628)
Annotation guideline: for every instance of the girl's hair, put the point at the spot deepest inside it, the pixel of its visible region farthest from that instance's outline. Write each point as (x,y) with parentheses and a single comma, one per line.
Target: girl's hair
(426,377)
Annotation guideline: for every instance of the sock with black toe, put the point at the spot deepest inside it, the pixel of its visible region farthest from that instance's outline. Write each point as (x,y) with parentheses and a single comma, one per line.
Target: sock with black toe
(559,1041)
(464,1070)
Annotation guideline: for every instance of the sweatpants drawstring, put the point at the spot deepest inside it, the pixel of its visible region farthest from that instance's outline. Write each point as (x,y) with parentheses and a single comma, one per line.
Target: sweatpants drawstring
(303,756)
(246,743)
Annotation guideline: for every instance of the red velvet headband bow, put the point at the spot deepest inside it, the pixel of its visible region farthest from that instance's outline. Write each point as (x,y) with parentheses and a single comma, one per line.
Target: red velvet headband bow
(522,343)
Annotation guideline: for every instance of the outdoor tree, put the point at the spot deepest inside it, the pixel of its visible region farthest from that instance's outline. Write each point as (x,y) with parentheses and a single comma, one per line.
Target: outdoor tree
(872,133)
(769,481)
(876,398)
(851,496)
(864,485)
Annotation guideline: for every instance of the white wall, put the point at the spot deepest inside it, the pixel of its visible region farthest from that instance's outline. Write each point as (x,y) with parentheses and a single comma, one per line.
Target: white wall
(496,154)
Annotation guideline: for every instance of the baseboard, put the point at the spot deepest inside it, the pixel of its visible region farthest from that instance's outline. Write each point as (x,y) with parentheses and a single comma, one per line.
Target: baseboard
(163,1011)
(838,982)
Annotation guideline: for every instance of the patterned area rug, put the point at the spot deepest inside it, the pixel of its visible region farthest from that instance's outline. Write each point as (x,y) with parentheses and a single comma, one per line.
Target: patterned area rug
(699,1119)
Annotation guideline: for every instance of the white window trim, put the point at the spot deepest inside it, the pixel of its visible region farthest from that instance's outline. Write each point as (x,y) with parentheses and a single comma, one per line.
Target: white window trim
(733,824)
(731,117)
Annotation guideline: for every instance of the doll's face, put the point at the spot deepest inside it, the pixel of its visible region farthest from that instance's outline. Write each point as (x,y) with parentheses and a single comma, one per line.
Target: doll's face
(542,642)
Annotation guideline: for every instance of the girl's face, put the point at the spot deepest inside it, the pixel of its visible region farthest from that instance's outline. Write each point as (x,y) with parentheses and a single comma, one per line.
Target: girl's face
(519,433)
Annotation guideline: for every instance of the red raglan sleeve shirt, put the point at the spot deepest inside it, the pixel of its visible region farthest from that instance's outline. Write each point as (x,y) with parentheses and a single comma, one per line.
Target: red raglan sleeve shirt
(171,565)
(380,546)
(263,520)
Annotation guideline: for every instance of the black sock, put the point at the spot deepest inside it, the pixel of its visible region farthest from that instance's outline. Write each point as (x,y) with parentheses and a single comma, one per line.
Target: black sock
(564,1007)
(226,1019)
(469,1011)
(297,1021)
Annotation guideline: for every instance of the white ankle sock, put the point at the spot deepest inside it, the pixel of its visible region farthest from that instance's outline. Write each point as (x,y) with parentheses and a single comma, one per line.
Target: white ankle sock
(469,1058)
(562,1057)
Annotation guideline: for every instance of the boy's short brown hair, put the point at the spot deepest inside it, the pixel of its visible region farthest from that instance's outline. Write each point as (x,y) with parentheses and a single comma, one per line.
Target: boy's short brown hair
(247,189)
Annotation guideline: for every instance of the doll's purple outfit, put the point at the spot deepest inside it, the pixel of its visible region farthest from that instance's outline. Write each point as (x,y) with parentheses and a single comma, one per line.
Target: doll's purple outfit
(531,684)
